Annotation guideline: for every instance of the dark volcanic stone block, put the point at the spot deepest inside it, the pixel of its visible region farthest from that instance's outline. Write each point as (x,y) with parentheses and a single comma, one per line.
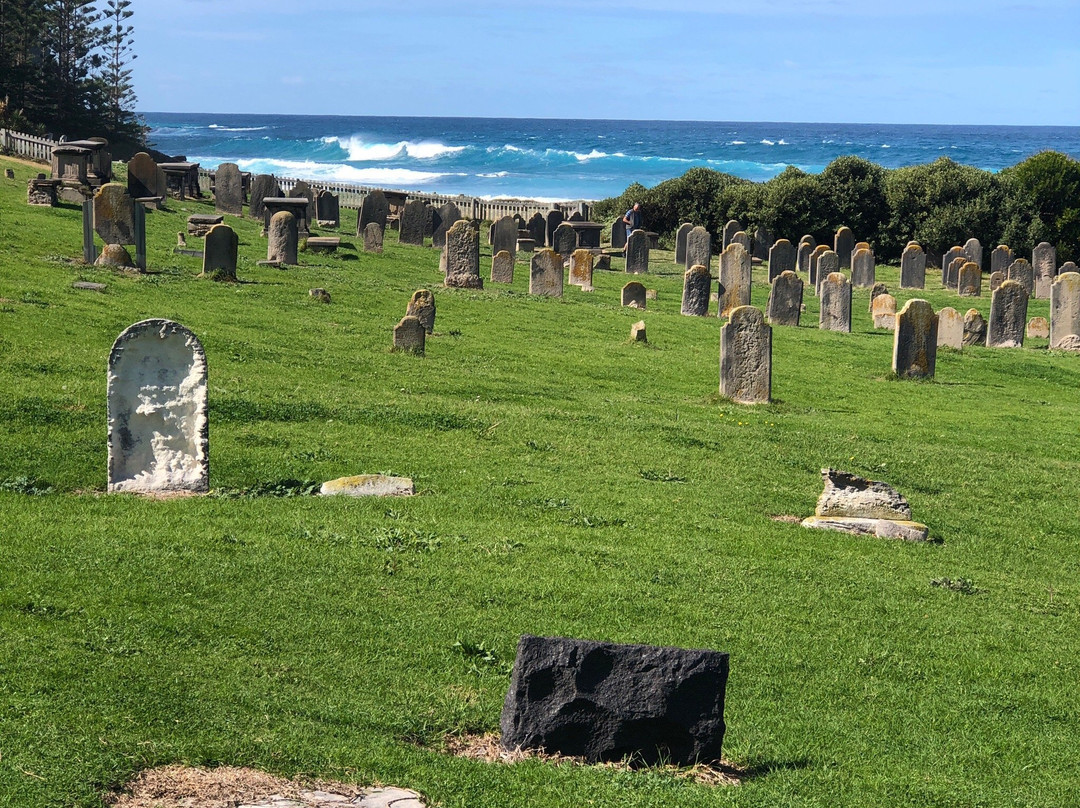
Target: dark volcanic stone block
(603,701)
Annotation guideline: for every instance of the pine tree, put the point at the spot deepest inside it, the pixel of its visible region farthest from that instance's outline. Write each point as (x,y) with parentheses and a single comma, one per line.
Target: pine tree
(119,53)
(72,41)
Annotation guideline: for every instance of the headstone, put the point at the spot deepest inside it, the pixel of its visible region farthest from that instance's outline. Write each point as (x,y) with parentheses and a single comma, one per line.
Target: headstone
(297,206)
(219,253)
(414,216)
(763,242)
(1008,314)
(680,243)
(844,245)
(637,252)
(1064,307)
(970,281)
(996,279)
(952,272)
(785,299)
(303,190)
(114,214)
(375,208)
(1024,274)
(1044,263)
(618,234)
(229,190)
(327,209)
(974,329)
(373,238)
(974,251)
(602,262)
(262,186)
(1000,258)
(502,267)
(827,263)
(804,251)
(505,236)
(633,295)
(637,332)
(741,238)
(9,173)
(1038,328)
(1068,266)
(546,273)
(408,335)
(565,240)
(946,261)
(526,245)
(734,288)
(144,178)
(158,422)
(282,239)
(746,357)
(781,259)
(835,293)
(730,229)
(432,220)
(698,248)
(581,268)
(950,330)
(879,289)
(537,228)
(463,257)
(883,310)
(913,268)
(815,279)
(863,268)
(697,284)
(915,341)
(422,307)
(554,219)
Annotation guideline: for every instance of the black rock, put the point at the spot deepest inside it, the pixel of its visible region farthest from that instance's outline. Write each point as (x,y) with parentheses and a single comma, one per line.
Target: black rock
(606,702)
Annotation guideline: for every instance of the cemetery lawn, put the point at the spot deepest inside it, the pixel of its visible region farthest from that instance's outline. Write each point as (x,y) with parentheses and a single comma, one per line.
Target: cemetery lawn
(572,483)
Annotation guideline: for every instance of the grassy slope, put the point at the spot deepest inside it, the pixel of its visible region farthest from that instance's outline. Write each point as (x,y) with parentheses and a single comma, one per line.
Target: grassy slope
(574,483)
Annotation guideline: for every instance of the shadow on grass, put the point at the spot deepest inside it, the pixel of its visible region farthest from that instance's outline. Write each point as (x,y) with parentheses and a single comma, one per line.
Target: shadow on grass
(763,769)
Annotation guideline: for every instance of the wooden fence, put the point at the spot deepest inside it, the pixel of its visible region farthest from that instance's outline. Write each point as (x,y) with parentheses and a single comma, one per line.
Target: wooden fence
(28,146)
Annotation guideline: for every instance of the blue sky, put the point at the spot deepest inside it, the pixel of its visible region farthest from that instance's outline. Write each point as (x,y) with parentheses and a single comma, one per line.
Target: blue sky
(841,61)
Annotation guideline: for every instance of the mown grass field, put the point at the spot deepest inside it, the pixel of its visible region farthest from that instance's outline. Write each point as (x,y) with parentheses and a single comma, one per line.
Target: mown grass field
(573,483)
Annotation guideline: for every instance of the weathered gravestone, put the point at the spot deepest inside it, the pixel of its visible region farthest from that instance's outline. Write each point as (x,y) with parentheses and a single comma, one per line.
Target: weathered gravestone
(502,267)
(462,253)
(637,252)
(835,293)
(698,248)
(996,279)
(262,186)
(915,340)
(537,228)
(952,272)
(815,279)
(373,238)
(1024,274)
(409,336)
(969,283)
(633,295)
(229,190)
(114,214)
(219,253)
(974,251)
(1064,308)
(618,234)
(581,268)
(863,268)
(638,333)
(1008,314)
(680,244)
(730,229)
(374,208)
(883,310)
(950,331)
(145,178)
(282,239)
(546,273)
(974,329)
(158,424)
(844,245)
(327,209)
(422,306)
(1068,266)
(827,263)
(303,190)
(1038,328)
(735,270)
(781,259)
(913,268)
(785,299)
(411,225)
(741,238)
(697,285)
(803,256)
(607,702)
(505,236)
(763,241)
(951,255)
(1044,263)
(1000,258)
(878,289)
(553,219)
(565,241)
(431,220)
(746,357)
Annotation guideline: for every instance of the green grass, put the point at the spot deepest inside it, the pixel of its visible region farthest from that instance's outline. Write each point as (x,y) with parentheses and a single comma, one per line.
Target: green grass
(572,483)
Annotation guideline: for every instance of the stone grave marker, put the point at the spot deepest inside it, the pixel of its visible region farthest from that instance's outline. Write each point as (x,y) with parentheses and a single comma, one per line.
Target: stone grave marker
(950,332)
(913,268)
(618,234)
(730,229)
(835,296)
(974,329)
(1064,307)
(282,239)
(409,334)
(996,279)
(697,285)
(863,268)
(327,209)
(262,186)
(448,216)
(565,241)
(145,178)
(735,269)
(785,299)
(637,253)
(1024,274)
(763,241)
(303,190)
(373,238)
(781,259)
(373,208)
(411,225)
(878,289)
(974,251)
(883,310)
(502,267)
(219,253)
(1044,264)
(1038,328)
(915,341)
(970,280)
(537,228)
(553,219)
(1000,258)
(633,295)
(422,306)
(462,253)
(746,357)
(844,245)
(1068,266)
(504,236)
(946,261)
(546,273)
(827,263)
(819,250)
(741,238)
(229,190)
(952,272)
(114,214)
(802,258)
(698,248)
(157,410)
(581,268)
(680,243)
(1008,314)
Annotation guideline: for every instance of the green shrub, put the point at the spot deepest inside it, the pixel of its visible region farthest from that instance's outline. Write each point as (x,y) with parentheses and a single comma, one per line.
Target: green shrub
(1042,203)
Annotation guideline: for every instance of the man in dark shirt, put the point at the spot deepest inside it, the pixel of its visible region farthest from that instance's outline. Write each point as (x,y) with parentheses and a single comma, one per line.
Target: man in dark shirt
(633,220)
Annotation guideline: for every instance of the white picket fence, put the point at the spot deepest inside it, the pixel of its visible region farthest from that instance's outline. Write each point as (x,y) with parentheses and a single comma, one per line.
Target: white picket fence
(21,144)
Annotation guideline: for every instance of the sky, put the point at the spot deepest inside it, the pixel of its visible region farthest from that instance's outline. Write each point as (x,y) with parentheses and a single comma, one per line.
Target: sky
(837,61)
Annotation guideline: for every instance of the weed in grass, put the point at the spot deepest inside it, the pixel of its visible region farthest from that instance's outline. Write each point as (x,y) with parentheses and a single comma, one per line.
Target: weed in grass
(26,485)
(483,659)
(661,476)
(275,488)
(965,586)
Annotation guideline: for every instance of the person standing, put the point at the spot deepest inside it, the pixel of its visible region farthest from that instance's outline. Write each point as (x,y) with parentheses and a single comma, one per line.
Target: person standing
(633,221)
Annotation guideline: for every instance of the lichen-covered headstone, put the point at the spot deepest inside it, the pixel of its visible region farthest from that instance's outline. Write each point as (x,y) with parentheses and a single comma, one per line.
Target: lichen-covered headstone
(219,253)
(974,251)
(502,267)
(373,238)
(974,329)
(996,279)
(633,294)
(409,336)
(229,190)
(952,272)
(785,299)
(411,224)
(504,236)
(1008,314)
(1038,328)
(698,248)
(950,330)
(581,268)
(680,242)
(843,245)
(969,283)
(827,263)
(915,340)
(913,268)
(462,254)
(782,258)
(697,284)
(742,238)
(735,269)
(114,214)
(746,357)
(730,229)
(863,268)
(947,261)
(637,253)
(282,238)
(546,273)
(1068,266)
(878,289)
(1000,258)
(1023,273)
(262,186)
(883,310)
(422,306)
(565,241)
(638,333)
(1044,263)
(1064,307)
(158,424)
(835,293)
(374,208)
(815,277)
(803,253)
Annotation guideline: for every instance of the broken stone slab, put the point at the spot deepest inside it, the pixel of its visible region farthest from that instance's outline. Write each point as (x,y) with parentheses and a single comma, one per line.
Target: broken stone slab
(849,495)
(89,287)
(368,485)
(199,224)
(323,243)
(881,528)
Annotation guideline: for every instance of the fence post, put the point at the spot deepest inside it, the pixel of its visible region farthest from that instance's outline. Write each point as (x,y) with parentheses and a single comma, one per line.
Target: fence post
(88,247)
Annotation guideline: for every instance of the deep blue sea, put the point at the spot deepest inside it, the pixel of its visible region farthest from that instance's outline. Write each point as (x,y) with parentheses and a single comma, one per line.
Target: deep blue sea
(568,159)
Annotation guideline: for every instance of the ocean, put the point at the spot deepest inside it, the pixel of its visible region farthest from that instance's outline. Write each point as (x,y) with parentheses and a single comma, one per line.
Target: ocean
(568,159)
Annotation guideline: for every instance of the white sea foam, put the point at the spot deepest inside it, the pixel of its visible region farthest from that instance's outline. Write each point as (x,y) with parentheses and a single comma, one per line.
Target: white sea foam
(738,143)
(309,169)
(362,151)
(495,174)
(238,128)
(768,143)
(886,146)
(782,142)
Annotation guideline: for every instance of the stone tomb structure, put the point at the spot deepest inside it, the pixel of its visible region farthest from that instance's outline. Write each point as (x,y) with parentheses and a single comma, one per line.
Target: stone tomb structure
(581,268)
(182,179)
(1008,316)
(782,258)
(157,410)
(735,267)
(303,190)
(950,329)
(915,341)
(852,504)
(546,273)
(1064,308)
(863,268)
(913,268)
(462,256)
(229,190)
(698,248)
(633,295)
(835,296)
(637,253)
(219,253)
(785,299)
(297,206)
(502,267)
(746,357)
(697,286)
